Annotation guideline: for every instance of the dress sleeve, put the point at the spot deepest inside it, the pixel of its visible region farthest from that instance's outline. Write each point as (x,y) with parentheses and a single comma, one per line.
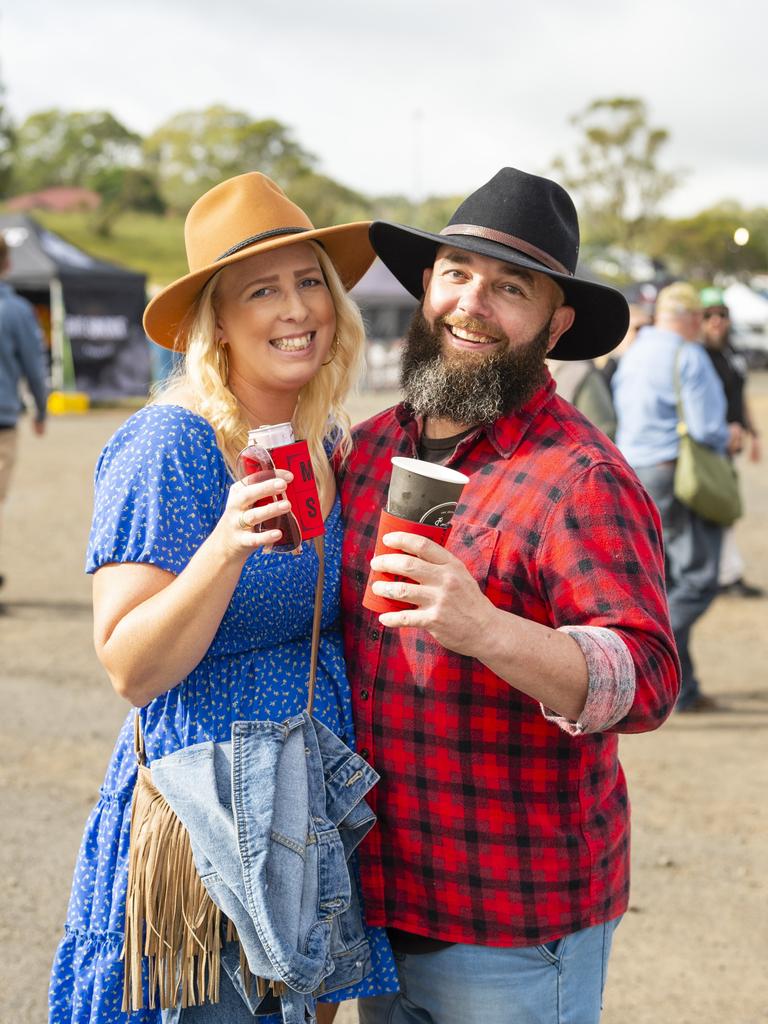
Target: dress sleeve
(161,486)
(601,564)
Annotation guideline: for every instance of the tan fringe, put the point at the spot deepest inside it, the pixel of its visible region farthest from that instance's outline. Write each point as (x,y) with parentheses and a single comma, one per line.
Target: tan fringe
(169,916)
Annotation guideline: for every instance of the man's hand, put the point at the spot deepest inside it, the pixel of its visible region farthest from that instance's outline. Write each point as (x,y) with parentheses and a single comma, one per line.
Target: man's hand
(735,438)
(755,453)
(449,603)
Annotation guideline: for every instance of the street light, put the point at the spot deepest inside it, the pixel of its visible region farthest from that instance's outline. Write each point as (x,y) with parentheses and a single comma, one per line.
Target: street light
(741,236)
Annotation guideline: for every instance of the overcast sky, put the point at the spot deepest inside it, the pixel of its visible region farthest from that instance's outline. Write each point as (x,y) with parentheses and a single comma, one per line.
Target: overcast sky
(416,96)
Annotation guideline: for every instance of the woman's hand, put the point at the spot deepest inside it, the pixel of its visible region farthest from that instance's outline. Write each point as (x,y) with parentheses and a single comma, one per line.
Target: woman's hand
(236,532)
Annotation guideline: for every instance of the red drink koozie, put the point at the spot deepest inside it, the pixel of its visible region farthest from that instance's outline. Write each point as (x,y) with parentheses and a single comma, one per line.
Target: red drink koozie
(302,490)
(389,524)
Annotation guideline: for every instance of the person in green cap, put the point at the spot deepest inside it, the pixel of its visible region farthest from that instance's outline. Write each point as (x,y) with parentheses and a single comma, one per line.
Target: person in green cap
(731,367)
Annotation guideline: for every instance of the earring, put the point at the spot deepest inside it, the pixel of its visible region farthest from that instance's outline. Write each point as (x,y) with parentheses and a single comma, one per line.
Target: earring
(334,350)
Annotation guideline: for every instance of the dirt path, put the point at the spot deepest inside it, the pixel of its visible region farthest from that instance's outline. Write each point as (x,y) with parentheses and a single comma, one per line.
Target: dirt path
(691,950)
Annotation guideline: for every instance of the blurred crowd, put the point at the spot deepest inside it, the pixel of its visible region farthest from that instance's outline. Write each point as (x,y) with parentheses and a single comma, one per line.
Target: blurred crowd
(677,364)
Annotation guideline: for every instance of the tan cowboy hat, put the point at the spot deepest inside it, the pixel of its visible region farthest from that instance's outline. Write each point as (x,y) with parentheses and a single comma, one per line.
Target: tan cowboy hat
(235,220)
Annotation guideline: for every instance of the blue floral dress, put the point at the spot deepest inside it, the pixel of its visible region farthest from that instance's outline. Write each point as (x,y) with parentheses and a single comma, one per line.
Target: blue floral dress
(161,487)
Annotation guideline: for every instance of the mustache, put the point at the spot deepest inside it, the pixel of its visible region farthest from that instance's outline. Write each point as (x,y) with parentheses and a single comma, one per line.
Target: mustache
(473,325)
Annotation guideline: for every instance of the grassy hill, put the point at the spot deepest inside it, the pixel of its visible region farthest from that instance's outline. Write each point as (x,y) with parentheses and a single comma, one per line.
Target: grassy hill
(140,241)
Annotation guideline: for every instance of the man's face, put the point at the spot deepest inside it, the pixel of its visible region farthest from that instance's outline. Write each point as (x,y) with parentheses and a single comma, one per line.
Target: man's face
(476,348)
(716,326)
(487,306)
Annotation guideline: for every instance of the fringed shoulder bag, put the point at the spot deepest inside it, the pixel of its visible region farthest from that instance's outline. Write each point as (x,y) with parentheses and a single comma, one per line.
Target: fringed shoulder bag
(169,917)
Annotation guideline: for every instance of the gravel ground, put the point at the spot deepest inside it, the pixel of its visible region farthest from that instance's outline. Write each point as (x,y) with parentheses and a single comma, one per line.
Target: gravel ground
(690,951)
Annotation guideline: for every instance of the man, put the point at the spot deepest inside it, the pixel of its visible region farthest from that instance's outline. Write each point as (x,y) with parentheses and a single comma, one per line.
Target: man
(492,707)
(21,357)
(583,384)
(645,397)
(640,315)
(731,368)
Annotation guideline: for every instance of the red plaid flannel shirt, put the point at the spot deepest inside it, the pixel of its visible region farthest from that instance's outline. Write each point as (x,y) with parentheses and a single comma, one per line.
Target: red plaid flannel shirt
(496,827)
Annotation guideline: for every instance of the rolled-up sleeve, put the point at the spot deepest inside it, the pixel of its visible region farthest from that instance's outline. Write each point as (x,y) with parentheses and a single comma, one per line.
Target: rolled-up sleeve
(602,571)
(611,681)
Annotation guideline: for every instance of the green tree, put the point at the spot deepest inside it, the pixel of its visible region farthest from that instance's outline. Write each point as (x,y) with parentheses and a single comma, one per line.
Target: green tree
(123,189)
(57,147)
(430,214)
(614,174)
(702,246)
(327,202)
(194,150)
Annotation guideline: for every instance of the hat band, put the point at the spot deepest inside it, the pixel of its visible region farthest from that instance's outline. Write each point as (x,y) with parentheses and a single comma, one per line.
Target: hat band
(514,243)
(274,233)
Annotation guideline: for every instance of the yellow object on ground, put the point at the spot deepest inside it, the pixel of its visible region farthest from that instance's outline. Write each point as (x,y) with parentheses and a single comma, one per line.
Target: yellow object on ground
(62,403)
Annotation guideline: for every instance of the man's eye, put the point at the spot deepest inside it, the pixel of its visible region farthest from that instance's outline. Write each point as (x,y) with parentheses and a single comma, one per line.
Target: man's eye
(511,289)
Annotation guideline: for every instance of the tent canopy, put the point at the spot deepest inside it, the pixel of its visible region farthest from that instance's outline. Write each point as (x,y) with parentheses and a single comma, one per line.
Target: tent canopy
(95,308)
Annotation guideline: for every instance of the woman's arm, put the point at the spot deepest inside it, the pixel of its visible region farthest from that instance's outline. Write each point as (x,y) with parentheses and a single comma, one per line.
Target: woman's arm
(151,628)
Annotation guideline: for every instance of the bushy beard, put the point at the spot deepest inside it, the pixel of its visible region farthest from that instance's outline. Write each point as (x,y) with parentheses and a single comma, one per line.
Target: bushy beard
(473,390)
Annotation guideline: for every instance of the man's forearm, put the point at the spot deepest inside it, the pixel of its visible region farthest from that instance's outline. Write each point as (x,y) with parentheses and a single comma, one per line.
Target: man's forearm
(545,663)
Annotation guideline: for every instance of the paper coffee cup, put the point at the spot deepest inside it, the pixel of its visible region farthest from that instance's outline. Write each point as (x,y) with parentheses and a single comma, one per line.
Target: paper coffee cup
(424,492)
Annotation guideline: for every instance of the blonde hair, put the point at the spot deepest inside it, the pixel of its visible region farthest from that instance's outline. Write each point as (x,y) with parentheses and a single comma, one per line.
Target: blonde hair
(319,411)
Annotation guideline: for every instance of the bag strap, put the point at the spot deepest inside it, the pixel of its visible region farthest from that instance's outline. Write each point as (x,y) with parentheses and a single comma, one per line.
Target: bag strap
(138,739)
(682,426)
(138,735)
(316,619)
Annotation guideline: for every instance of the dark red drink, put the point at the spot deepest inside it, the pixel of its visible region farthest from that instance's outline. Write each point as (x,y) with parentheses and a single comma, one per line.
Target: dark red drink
(254,463)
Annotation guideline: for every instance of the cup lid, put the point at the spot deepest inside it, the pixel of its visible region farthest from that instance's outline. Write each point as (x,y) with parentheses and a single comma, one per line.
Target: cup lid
(431,470)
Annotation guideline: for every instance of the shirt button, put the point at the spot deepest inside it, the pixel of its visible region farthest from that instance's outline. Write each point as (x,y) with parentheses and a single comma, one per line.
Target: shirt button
(363,695)
(374,634)
(365,753)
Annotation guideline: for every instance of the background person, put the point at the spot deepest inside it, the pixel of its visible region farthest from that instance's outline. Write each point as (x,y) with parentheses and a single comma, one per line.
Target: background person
(580,382)
(21,359)
(645,400)
(193,623)
(492,709)
(731,368)
(640,315)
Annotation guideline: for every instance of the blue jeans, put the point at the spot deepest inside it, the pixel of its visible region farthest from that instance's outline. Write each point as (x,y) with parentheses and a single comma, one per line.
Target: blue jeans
(558,983)
(692,561)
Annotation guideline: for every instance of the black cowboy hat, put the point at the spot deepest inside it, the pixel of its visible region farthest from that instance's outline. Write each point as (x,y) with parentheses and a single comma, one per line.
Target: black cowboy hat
(530,222)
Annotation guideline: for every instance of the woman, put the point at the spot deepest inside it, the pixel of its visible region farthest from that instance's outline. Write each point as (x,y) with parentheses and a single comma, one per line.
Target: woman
(194,623)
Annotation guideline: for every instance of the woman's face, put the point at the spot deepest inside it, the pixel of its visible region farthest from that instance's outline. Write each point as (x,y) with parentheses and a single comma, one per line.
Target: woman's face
(275,314)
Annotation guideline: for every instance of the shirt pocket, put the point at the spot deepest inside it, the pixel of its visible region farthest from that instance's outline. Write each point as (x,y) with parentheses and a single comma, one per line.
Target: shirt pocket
(475,547)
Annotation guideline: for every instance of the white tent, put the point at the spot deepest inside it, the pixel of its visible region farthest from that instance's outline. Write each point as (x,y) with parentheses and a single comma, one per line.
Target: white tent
(748,309)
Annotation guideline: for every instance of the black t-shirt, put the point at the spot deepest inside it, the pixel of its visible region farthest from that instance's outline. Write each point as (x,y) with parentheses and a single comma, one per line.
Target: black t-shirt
(731,368)
(440,449)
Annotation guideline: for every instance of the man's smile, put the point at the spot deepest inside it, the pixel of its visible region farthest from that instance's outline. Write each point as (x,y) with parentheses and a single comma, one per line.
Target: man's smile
(471,335)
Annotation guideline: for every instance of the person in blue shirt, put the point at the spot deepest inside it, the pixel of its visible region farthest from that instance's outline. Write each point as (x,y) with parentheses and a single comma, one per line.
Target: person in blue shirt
(21,358)
(645,400)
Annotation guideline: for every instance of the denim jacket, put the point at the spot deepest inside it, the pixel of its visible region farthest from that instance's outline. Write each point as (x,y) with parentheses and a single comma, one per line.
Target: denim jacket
(273,817)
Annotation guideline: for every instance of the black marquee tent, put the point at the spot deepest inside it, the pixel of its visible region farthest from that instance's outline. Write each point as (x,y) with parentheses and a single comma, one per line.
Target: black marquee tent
(91,311)
(387,309)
